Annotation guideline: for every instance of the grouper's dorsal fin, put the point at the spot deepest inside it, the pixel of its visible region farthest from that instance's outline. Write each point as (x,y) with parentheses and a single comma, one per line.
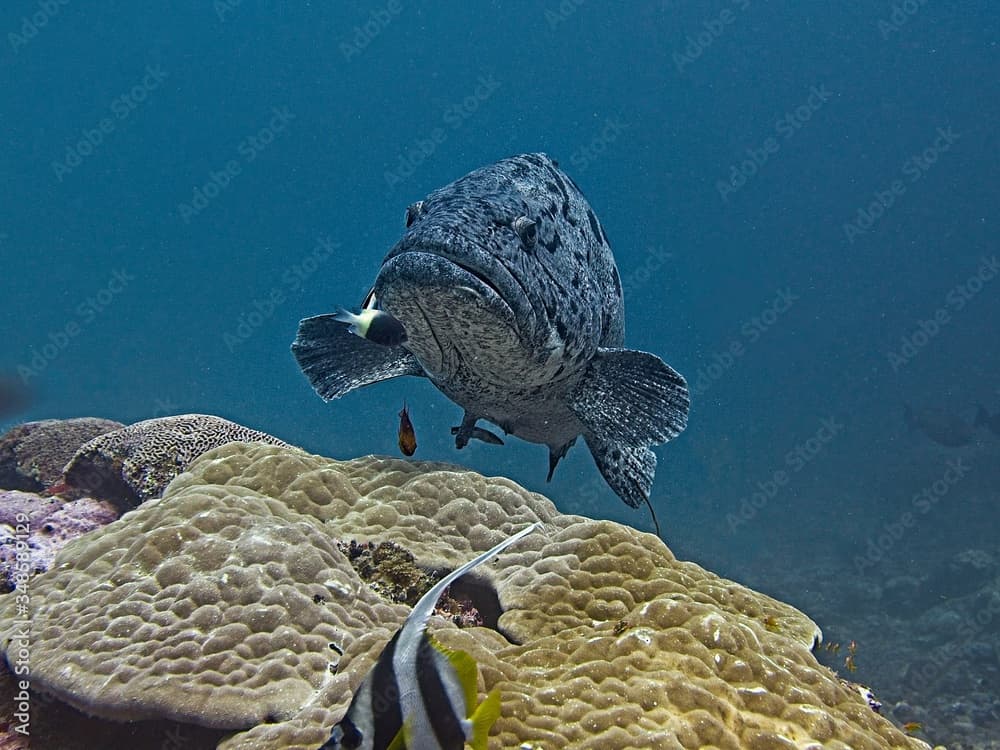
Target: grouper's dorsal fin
(631,398)
(336,361)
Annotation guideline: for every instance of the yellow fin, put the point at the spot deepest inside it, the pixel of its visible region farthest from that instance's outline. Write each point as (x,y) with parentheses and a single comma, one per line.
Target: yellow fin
(483,719)
(399,742)
(465,669)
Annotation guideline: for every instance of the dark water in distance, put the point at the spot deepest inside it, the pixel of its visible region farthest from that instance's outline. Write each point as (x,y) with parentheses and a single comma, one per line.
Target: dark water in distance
(802,200)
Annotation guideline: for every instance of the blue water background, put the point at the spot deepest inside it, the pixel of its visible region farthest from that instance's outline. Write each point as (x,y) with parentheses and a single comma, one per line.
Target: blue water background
(807,112)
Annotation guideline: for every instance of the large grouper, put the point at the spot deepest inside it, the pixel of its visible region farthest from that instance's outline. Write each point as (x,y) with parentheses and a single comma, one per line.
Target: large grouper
(503,291)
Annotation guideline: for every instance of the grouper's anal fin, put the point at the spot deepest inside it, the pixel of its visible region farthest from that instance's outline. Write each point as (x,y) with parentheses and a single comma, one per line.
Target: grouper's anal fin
(631,398)
(336,361)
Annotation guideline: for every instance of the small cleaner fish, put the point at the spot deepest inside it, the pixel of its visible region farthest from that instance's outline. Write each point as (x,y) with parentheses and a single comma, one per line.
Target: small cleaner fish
(420,695)
(407,437)
(504,293)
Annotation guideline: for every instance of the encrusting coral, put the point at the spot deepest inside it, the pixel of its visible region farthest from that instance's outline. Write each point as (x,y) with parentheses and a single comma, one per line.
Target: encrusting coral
(45,525)
(228,603)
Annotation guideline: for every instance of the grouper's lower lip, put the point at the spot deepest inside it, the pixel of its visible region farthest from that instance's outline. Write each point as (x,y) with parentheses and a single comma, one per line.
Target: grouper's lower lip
(437,269)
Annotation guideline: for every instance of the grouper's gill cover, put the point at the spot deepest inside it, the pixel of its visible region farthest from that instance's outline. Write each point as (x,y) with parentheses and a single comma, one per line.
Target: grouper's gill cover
(512,305)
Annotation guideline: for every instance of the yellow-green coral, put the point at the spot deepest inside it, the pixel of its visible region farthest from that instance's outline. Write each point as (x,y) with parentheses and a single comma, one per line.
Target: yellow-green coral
(605,641)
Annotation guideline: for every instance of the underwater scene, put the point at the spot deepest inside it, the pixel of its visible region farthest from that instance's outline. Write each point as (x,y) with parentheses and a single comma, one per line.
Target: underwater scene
(531,375)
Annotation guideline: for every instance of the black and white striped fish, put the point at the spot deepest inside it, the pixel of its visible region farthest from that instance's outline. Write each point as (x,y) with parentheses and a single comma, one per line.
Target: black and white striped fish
(420,695)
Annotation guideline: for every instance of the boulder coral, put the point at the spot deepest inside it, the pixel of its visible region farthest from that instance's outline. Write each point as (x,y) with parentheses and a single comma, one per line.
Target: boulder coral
(228,603)
(135,463)
(33,454)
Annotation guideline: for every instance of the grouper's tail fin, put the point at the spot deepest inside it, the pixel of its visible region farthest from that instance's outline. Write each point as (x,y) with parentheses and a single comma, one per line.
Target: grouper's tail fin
(336,361)
(628,470)
(628,401)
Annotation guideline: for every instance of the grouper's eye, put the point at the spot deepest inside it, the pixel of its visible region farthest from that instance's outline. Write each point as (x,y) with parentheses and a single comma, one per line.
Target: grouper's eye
(413,212)
(526,230)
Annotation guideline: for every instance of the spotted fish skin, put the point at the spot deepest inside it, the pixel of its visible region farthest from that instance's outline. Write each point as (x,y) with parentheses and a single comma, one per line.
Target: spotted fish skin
(507,288)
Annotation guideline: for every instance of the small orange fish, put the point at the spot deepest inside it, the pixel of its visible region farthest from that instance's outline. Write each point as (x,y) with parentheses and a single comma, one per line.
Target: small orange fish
(849,663)
(913,726)
(407,438)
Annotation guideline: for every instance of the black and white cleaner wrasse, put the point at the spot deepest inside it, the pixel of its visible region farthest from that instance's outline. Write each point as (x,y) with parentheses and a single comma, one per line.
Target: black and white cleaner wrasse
(421,695)
(503,291)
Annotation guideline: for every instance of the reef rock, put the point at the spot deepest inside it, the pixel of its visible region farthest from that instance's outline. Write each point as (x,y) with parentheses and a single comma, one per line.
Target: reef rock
(33,454)
(137,462)
(228,603)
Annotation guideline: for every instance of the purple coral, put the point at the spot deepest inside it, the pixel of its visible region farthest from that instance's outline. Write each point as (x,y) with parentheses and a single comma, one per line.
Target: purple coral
(45,525)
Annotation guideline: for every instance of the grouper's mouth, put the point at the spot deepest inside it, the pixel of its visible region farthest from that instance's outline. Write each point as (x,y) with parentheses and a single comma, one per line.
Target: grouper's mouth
(491,285)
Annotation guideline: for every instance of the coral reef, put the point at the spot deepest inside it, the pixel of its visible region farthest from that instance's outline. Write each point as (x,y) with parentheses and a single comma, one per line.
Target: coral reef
(228,603)
(935,659)
(392,572)
(132,464)
(33,454)
(49,523)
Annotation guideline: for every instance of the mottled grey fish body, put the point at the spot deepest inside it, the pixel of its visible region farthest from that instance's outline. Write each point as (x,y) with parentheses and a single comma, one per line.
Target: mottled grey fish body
(512,304)
(944,428)
(987,420)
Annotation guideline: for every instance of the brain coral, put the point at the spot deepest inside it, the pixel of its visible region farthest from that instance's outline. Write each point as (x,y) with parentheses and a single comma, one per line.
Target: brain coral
(134,463)
(217,605)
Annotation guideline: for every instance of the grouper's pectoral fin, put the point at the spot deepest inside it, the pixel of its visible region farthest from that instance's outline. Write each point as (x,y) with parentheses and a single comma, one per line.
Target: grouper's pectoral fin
(336,361)
(631,398)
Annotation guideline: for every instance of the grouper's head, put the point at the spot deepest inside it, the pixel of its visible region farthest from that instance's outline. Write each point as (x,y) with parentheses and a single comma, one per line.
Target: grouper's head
(498,263)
